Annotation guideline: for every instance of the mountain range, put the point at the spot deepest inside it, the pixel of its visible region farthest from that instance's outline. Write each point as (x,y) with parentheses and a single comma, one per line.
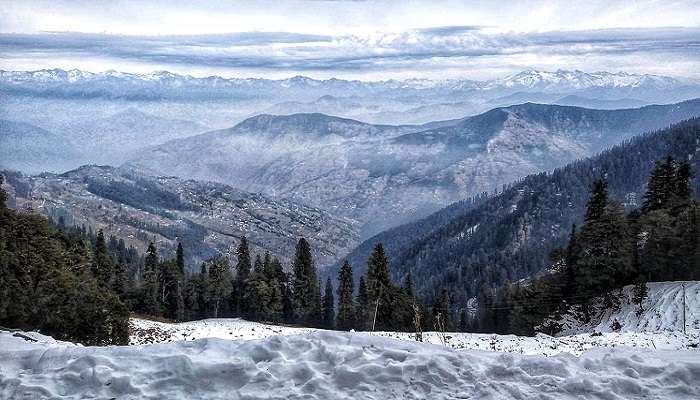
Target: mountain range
(383,175)
(47,98)
(163,84)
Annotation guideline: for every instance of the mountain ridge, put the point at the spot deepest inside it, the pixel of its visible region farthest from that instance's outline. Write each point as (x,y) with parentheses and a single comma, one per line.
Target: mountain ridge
(386,175)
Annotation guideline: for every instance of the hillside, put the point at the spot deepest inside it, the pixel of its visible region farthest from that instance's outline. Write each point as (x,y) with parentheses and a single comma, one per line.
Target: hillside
(112,139)
(208,218)
(662,311)
(33,149)
(510,235)
(384,176)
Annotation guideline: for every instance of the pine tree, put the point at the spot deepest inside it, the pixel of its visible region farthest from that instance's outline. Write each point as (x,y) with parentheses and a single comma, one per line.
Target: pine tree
(202,292)
(362,313)
(683,177)
(103,265)
(606,252)
(180,259)
(219,283)
(305,286)
(328,306)
(598,200)
(243,267)
(379,288)
(151,277)
(661,186)
(639,293)
(345,319)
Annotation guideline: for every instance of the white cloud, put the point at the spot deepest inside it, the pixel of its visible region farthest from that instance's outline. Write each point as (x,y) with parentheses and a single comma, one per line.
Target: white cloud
(358,39)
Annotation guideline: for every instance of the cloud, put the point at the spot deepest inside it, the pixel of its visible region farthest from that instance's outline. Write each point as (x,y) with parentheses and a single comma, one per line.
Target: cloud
(422,49)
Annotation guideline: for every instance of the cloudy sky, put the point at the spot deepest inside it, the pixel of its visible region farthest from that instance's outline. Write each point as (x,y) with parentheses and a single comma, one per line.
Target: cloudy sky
(366,40)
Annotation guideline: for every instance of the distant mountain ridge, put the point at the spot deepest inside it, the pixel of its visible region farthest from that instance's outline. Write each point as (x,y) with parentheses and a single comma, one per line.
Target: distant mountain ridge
(387,175)
(163,84)
(208,218)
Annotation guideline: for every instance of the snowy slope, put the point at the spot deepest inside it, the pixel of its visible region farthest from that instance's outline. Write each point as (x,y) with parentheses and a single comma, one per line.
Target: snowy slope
(662,311)
(333,365)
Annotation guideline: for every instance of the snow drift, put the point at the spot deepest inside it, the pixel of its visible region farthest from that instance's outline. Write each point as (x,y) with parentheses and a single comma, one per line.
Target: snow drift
(333,365)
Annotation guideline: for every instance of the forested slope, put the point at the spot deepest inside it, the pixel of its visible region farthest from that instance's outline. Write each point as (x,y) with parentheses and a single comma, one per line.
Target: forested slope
(510,236)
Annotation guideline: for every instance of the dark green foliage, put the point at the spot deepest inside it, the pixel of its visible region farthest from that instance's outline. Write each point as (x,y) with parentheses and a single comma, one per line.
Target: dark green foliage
(47,283)
(345,319)
(243,267)
(180,259)
(661,186)
(219,283)
(639,293)
(305,286)
(379,289)
(605,252)
(328,306)
(143,194)
(659,242)
(597,202)
(362,302)
(151,278)
(103,265)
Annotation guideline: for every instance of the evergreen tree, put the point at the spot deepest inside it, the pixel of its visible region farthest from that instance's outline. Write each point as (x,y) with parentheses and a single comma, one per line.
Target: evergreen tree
(219,283)
(180,259)
(606,252)
(151,278)
(103,265)
(661,185)
(598,201)
(683,177)
(362,313)
(328,304)
(243,267)
(345,319)
(202,292)
(639,293)
(379,289)
(305,287)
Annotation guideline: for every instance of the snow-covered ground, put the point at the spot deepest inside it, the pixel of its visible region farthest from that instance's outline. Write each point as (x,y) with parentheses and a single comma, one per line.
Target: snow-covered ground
(237,359)
(335,365)
(145,331)
(662,311)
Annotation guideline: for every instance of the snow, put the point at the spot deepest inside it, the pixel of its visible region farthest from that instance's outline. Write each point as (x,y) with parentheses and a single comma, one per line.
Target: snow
(335,365)
(146,332)
(662,311)
(237,359)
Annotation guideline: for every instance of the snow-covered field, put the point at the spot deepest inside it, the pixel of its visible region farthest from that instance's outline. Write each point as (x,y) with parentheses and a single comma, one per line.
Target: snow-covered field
(335,365)
(236,359)
(145,332)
